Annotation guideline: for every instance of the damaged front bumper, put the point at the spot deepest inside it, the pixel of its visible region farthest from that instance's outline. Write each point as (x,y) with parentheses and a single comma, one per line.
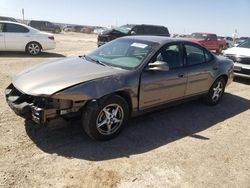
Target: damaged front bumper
(42,110)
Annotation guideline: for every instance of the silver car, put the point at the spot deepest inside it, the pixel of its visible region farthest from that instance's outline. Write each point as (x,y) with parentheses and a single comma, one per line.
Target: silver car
(123,78)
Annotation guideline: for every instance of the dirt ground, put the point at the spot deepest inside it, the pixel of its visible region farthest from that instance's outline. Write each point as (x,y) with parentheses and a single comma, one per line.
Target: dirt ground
(189,145)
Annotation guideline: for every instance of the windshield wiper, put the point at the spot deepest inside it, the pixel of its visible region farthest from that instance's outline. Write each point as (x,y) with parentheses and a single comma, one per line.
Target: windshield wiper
(94,60)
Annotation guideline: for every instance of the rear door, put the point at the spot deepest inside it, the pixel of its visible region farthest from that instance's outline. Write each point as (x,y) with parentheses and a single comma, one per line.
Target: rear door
(16,37)
(200,69)
(2,41)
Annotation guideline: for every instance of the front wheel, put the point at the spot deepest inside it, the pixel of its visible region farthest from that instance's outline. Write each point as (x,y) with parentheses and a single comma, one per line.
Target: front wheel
(105,120)
(216,92)
(33,48)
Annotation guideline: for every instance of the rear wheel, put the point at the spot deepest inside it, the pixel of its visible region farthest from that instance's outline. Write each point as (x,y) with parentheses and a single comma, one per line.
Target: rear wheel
(105,120)
(216,92)
(33,48)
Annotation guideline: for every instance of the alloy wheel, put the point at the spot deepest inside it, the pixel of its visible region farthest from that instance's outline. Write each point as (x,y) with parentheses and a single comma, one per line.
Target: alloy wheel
(217,91)
(110,119)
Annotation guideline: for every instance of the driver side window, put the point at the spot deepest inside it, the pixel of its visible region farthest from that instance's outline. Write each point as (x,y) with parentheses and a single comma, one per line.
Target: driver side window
(171,55)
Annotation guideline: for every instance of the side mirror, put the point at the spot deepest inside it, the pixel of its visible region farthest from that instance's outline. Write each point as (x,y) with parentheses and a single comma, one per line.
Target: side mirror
(158,66)
(133,33)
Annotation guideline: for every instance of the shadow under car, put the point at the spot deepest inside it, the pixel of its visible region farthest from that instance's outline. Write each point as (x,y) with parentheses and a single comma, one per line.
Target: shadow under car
(143,133)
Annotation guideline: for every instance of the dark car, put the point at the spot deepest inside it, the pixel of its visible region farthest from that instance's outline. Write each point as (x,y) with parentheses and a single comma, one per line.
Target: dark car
(126,77)
(45,26)
(3,18)
(130,29)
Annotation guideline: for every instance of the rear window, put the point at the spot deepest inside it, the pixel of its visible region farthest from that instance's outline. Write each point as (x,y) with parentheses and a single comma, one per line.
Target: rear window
(14,28)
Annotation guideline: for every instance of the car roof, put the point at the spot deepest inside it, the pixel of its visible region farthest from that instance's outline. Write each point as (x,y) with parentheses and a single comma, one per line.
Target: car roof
(157,39)
(3,21)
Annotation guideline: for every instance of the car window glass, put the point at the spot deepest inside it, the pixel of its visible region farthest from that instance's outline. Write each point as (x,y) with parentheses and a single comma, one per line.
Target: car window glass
(138,30)
(1,27)
(171,55)
(245,44)
(14,28)
(195,55)
(208,56)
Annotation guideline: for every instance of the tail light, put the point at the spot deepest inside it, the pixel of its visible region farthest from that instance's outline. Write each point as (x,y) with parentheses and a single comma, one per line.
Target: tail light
(51,37)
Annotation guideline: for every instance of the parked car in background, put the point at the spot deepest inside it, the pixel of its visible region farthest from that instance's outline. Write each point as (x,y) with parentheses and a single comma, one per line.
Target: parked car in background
(19,37)
(45,26)
(240,40)
(3,18)
(130,29)
(68,28)
(209,40)
(229,41)
(78,28)
(241,57)
(99,30)
(125,77)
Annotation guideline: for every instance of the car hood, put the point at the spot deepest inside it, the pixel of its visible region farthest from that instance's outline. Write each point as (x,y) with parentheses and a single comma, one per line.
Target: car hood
(111,32)
(51,77)
(238,51)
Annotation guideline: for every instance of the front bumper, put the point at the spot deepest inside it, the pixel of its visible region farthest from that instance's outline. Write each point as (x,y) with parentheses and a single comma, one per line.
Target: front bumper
(39,109)
(241,65)
(242,70)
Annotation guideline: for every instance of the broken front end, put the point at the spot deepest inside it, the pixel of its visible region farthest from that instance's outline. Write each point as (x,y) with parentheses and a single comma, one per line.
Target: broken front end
(42,110)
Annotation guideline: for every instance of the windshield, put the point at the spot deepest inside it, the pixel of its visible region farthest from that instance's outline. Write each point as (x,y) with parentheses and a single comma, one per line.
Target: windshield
(124,28)
(199,35)
(123,53)
(245,44)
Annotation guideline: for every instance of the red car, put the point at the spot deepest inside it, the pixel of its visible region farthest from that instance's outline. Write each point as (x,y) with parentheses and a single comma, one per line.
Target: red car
(209,40)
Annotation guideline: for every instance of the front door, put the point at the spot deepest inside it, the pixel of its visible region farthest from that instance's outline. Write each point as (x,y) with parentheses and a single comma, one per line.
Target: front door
(159,87)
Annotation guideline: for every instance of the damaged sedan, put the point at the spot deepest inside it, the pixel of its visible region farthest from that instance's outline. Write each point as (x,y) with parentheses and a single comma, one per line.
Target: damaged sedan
(123,78)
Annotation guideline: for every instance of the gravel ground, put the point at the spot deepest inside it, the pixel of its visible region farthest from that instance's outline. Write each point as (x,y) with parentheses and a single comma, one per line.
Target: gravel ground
(189,145)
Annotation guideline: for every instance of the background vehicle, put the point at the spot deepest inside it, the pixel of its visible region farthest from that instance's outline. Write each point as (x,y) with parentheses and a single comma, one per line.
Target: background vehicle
(125,77)
(130,29)
(209,40)
(68,28)
(44,26)
(3,18)
(240,40)
(19,37)
(229,41)
(241,57)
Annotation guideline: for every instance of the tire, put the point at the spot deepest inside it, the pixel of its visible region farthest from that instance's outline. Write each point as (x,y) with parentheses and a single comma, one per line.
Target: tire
(104,119)
(33,48)
(216,92)
(57,31)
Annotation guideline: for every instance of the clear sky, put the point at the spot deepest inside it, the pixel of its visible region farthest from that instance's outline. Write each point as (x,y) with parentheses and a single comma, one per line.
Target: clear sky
(180,16)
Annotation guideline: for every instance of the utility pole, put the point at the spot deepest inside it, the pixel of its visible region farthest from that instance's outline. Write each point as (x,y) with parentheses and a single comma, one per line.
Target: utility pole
(23,14)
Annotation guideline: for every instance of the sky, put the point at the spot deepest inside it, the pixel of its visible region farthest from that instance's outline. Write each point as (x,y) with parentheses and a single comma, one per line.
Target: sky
(180,16)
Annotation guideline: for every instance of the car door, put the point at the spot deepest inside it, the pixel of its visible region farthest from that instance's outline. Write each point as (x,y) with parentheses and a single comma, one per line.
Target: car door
(2,40)
(200,68)
(49,26)
(158,87)
(16,37)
